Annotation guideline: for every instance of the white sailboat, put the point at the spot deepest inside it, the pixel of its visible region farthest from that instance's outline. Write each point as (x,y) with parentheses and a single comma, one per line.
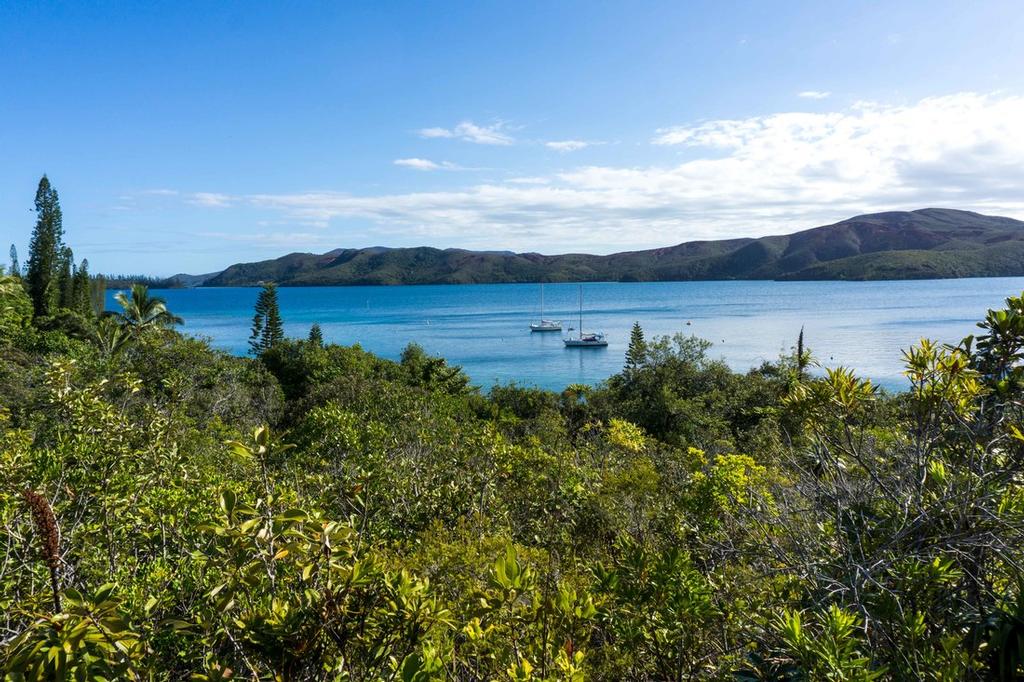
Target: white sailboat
(545,325)
(584,339)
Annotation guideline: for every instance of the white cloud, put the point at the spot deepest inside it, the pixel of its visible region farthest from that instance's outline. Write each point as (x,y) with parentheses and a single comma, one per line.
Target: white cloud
(567,145)
(436,132)
(737,177)
(529,180)
(814,94)
(426,164)
(470,132)
(210,199)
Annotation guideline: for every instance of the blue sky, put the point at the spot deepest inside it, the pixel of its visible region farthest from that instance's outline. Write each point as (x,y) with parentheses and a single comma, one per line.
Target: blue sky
(187,136)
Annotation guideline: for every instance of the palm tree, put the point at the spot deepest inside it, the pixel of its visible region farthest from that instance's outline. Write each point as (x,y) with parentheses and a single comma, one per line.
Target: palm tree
(110,336)
(141,312)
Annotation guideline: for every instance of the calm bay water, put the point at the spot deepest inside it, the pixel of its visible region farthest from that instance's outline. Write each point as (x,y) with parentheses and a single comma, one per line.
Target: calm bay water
(485,329)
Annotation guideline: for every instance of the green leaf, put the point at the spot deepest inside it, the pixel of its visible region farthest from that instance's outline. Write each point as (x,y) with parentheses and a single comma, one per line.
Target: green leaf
(176,625)
(227,501)
(74,597)
(104,592)
(294,515)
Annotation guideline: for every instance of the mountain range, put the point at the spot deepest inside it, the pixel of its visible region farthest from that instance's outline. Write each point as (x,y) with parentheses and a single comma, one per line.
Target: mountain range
(922,244)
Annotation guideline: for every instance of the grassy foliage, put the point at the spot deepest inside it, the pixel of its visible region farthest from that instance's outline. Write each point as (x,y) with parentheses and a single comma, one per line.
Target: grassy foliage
(171,512)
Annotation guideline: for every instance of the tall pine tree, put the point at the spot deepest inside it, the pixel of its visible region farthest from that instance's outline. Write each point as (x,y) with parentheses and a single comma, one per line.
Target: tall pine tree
(81,301)
(66,278)
(636,354)
(45,250)
(267,328)
(15,267)
(316,335)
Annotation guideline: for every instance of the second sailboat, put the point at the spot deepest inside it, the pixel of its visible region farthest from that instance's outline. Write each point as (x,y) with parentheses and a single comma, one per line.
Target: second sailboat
(584,339)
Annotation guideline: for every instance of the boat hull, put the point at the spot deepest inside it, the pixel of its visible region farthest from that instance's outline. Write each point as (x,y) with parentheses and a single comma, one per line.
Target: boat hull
(538,328)
(576,343)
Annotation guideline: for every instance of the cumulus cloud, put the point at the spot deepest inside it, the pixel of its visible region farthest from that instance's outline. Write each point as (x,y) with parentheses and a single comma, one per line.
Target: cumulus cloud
(736,177)
(567,145)
(471,132)
(814,94)
(426,164)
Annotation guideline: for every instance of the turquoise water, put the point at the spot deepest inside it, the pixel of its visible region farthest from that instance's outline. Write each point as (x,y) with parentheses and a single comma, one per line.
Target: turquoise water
(485,329)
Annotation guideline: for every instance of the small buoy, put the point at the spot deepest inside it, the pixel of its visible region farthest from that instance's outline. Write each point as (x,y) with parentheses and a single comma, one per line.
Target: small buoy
(687,323)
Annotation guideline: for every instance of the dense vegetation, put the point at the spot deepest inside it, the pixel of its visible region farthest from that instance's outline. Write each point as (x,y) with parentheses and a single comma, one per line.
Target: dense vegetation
(127,281)
(315,512)
(930,243)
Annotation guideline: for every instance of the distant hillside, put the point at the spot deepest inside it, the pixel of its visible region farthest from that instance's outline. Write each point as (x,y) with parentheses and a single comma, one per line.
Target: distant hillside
(928,243)
(183,280)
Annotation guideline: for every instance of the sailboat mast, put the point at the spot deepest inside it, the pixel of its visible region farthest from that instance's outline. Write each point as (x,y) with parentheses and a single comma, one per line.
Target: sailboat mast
(581,312)
(542,301)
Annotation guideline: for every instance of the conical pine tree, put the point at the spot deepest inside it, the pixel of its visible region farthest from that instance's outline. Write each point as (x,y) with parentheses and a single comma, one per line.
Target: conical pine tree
(316,335)
(267,328)
(81,301)
(44,250)
(66,278)
(636,354)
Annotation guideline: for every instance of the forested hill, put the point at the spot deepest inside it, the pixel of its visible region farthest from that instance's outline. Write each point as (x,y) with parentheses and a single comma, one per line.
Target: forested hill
(922,244)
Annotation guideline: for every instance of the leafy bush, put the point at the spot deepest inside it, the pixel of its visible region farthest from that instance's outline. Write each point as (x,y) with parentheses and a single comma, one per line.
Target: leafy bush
(171,512)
